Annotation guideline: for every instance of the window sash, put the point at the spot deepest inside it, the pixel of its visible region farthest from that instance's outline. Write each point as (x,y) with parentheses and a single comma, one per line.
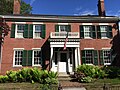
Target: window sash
(87,31)
(106,57)
(36,57)
(104,31)
(18,57)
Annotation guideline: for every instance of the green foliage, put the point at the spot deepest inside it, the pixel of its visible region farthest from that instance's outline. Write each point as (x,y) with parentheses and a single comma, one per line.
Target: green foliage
(91,70)
(86,79)
(30,75)
(3,79)
(112,71)
(6,7)
(85,73)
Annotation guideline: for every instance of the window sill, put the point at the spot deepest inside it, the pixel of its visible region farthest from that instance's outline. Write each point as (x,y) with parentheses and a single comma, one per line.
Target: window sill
(87,38)
(107,63)
(37,38)
(36,65)
(17,65)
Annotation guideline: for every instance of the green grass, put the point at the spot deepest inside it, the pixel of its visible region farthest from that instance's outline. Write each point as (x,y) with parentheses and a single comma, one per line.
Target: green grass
(99,84)
(24,86)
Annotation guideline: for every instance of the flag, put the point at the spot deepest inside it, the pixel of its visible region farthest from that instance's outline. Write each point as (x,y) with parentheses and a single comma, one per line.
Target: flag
(66,39)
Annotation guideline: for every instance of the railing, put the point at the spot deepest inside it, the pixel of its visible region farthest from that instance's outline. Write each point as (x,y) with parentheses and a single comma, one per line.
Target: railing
(64,34)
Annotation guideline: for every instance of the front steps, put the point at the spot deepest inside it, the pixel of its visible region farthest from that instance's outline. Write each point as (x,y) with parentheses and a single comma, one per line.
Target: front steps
(67,81)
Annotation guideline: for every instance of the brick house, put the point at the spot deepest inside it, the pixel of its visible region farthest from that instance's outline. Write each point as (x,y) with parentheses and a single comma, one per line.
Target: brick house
(39,40)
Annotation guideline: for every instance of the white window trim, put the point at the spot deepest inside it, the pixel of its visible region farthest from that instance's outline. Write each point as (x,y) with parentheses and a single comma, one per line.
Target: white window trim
(88,48)
(33,56)
(16,36)
(87,24)
(103,24)
(63,23)
(38,23)
(15,49)
(34,32)
(20,22)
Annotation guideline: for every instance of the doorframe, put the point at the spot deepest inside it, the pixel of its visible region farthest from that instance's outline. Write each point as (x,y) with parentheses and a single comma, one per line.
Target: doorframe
(67,64)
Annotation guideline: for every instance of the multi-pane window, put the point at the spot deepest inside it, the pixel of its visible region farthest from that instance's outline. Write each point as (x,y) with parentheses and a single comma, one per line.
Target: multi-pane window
(87,31)
(106,57)
(37,31)
(20,30)
(62,28)
(104,30)
(89,56)
(18,57)
(37,57)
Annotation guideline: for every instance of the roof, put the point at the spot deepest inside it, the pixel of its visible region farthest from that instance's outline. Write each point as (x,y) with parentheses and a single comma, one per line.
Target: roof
(59,18)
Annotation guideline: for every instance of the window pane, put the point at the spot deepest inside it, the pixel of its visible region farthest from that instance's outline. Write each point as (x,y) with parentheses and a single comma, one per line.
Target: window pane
(38,29)
(106,56)
(18,57)
(103,30)
(37,57)
(20,27)
(87,31)
(89,56)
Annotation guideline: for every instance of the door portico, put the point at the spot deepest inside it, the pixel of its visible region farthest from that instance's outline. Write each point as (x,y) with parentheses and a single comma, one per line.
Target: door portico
(64,60)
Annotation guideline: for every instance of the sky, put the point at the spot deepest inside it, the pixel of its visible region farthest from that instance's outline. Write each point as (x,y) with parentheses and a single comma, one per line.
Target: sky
(73,7)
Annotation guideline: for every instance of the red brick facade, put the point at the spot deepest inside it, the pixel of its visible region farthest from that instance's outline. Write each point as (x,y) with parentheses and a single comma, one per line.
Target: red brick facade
(11,43)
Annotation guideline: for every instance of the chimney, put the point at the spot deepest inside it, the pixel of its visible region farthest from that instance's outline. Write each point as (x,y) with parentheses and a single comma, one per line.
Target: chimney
(16,7)
(101,8)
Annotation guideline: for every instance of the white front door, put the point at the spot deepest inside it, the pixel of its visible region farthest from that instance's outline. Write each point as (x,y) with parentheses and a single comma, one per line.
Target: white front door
(63,58)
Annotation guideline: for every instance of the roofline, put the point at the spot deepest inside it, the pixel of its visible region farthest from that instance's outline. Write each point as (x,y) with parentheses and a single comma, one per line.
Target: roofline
(59,18)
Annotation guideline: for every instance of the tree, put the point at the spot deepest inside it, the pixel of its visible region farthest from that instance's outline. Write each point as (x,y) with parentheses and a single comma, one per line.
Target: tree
(6,7)
(4,29)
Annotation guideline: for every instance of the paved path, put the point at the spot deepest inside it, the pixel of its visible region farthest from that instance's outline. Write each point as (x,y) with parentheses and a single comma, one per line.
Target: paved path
(81,88)
(68,85)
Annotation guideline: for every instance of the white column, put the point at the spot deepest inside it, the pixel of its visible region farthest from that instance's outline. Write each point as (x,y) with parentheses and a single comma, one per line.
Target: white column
(79,61)
(51,57)
(76,59)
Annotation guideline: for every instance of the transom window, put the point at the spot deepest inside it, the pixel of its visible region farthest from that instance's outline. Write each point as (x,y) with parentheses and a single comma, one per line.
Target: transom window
(37,31)
(37,57)
(87,31)
(18,57)
(89,56)
(106,57)
(104,30)
(20,30)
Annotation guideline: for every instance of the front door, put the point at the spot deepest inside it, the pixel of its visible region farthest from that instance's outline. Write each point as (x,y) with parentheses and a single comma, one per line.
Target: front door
(62,67)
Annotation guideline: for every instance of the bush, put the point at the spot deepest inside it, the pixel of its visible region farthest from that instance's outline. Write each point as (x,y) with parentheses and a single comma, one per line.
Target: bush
(91,70)
(30,75)
(85,73)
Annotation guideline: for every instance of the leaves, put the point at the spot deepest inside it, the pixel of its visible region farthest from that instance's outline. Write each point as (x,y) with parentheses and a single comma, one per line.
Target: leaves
(6,7)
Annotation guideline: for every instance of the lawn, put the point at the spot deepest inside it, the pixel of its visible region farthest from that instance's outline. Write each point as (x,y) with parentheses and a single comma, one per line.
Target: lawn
(109,84)
(25,86)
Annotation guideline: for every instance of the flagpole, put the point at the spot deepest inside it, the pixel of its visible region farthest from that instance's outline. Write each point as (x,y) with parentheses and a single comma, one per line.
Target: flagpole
(65,43)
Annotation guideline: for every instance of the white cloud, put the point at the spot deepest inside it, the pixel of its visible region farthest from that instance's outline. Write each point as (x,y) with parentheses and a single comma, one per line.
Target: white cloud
(32,1)
(113,13)
(85,12)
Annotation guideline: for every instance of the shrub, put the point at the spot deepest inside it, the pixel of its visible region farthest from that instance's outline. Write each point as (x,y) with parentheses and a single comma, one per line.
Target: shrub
(3,79)
(86,79)
(85,73)
(30,75)
(91,70)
